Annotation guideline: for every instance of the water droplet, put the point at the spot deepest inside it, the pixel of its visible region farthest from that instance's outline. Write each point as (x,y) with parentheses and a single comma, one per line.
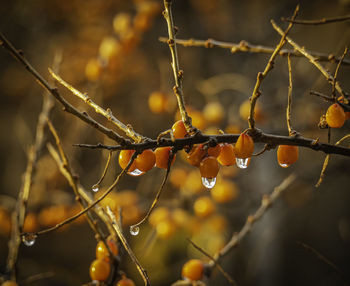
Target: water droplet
(136,173)
(242,163)
(95,188)
(284,165)
(208,183)
(134,230)
(29,239)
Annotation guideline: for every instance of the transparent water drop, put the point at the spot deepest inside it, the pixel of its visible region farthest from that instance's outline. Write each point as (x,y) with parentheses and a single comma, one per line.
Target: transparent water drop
(134,230)
(29,239)
(136,173)
(284,165)
(242,163)
(208,183)
(95,188)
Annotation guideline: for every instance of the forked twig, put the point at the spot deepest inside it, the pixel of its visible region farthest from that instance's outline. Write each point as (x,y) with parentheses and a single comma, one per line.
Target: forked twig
(319,21)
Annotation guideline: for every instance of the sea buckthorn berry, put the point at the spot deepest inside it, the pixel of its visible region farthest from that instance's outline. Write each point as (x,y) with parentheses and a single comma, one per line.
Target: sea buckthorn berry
(124,158)
(287,155)
(335,116)
(179,129)
(227,155)
(145,161)
(99,270)
(162,157)
(196,155)
(193,270)
(244,146)
(157,102)
(213,112)
(125,282)
(224,191)
(203,207)
(102,251)
(214,151)
(31,223)
(209,167)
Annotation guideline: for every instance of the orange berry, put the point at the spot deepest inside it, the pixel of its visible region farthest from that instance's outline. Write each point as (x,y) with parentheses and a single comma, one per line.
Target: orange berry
(157,102)
(196,155)
(224,191)
(31,223)
(102,251)
(99,270)
(125,282)
(179,129)
(203,207)
(209,167)
(227,155)
(145,161)
(335,116)
(124,158)
(287,155)
(162,157)
(193,270)
(213,112)
(244,146)
(214,151)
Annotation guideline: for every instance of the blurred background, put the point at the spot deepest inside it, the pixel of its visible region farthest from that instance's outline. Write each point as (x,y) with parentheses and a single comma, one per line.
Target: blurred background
(111,50)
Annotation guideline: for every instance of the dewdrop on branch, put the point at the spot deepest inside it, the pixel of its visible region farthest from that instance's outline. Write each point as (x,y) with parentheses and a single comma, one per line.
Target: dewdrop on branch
(95,188)
(29,239)
(244,148)
(209,168)
(208,183)
(242,163)
(134,230)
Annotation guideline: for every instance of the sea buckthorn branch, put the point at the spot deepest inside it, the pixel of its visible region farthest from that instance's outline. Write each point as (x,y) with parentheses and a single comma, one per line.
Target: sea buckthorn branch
(23,196)
(326,97)
(257,135)
(217,265)
(311,58)
(90,206)
(178,74)
(18,55)
(326,161)
(105,112)
(319,21)
(125,243)
(97,185)
(266,202)
(289,105)
(246,47)
(256,92)
(336,73)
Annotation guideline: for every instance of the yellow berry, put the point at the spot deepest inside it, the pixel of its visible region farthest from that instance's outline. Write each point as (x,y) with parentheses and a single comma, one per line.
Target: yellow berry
(335,116)
(203,207)
(209,167)
(179,129)
(287,155)
(193,269)
(162,157)
(244,146)
(227,155)
(125,282)
(145,161)
(124,158)
(99,270)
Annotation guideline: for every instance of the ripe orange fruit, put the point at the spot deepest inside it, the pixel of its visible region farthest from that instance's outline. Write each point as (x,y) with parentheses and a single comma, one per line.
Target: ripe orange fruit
(214,151)
(335,116)
(124,158)
(227,155)
(244,146)
(145,161)
(162,157)
(179,129)
(157,102)
(287,155)
(99,270)
(203,207)
(125,282)
(209,167)
(102,251)
(196,155)
(193,269)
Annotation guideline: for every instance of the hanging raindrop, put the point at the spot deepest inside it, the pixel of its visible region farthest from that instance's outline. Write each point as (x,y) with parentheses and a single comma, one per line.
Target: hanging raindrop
(134,230)
(284,165)
(29,239)
(242,163)
(95,188)
(136,173)
(208,183)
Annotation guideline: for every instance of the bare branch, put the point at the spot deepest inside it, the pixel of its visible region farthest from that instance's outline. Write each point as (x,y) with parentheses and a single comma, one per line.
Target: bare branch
(319,21)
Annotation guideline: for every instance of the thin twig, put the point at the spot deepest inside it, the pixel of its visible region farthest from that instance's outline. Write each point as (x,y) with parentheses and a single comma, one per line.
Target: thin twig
(267,201)
(97,185)
(178,74)
(54,92)
(336,74)
(319,21)
(326,161)
(217,265)
(311,58)
(289,105)
(107,113)
(125,243)
(38,277)
(246,47)
(330,99)
(256,92)
(258,137)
